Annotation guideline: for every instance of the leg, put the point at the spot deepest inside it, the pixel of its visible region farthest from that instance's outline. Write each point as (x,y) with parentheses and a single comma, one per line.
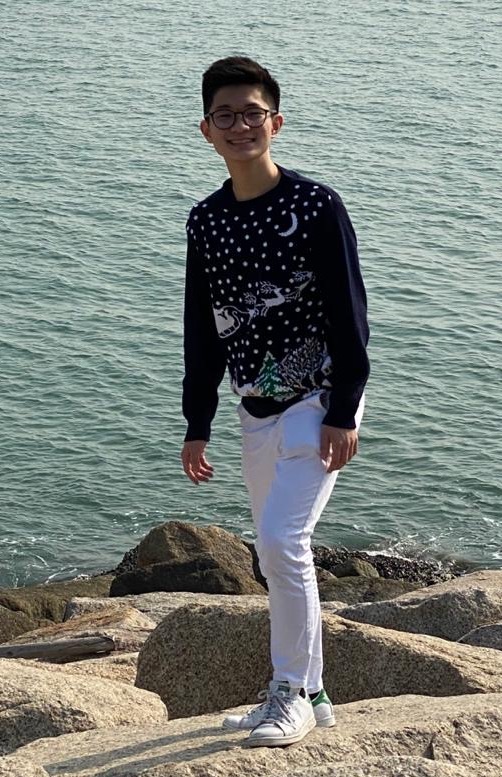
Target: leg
(296,497)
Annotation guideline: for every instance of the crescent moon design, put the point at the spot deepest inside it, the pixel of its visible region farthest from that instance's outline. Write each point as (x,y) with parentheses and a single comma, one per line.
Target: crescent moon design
(292,227)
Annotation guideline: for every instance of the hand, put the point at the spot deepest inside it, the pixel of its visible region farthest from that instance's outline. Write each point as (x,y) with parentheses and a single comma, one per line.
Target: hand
(337,446)
(195,464)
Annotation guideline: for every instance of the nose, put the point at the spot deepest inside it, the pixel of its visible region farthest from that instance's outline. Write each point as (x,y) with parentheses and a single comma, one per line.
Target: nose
(240,121)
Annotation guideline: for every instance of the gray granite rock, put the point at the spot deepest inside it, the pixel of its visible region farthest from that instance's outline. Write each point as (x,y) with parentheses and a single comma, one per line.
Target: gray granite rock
(448,610)
(354,590)
(35,703)
(158,604)
(412,732)
(201,659)
(120,667)
(385,766)
(484,636)
(16,766)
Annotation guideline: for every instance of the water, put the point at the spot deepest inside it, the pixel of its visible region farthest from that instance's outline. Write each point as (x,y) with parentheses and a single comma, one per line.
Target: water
(395,104)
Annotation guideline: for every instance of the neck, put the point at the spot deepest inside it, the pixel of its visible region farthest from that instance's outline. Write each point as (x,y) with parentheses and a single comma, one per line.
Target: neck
(252,179)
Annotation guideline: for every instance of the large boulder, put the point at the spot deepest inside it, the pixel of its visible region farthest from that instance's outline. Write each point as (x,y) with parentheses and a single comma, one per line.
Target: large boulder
(448,610)
(201,659)
(177,542)
(38,703)
(47,602)
(120,667)
(157,604)
(178,556)
(409,736)
(203,575)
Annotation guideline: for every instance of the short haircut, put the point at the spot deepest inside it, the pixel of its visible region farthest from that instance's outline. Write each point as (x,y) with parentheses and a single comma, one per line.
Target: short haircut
(237,70)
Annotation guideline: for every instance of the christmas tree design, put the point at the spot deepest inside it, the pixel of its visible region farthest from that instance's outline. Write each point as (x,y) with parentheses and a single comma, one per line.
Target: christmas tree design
(268,378)
(298,367)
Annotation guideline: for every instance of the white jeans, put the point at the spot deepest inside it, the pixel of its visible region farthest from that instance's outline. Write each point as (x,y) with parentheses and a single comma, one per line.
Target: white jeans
(289,488)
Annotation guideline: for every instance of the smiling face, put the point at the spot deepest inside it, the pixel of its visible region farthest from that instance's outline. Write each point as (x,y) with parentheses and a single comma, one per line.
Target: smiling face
(242,143)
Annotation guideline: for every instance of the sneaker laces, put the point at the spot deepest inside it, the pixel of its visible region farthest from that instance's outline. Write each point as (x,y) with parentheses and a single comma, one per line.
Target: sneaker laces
(278,707)
(260,695)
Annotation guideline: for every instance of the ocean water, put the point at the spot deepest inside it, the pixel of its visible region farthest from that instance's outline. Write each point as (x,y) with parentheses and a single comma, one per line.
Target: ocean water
(394,103)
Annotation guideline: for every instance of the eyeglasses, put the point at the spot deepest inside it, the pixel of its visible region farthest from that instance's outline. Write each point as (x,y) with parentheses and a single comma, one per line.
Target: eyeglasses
(224,118)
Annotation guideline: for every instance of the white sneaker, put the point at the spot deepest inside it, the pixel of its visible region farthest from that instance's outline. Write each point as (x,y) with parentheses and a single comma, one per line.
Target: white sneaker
(252,717)
(322,706)
(323,710)
(287,718)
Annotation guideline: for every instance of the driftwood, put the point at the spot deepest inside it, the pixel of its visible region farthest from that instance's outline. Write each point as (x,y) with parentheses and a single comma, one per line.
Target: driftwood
(59,650)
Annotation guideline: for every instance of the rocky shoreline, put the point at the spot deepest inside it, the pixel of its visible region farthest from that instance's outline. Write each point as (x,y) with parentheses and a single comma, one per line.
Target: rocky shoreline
(128,672)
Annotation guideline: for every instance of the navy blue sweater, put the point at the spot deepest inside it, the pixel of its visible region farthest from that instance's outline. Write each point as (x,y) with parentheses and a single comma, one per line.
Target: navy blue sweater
(273,292)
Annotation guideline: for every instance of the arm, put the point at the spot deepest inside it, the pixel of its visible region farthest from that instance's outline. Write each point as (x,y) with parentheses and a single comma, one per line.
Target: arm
(204,365)
(344,299)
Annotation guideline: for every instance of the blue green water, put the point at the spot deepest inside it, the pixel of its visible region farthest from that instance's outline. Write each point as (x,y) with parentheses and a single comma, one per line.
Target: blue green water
(394,103)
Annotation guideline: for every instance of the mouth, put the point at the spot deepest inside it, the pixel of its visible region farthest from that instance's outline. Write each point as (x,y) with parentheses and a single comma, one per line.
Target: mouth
(240,141)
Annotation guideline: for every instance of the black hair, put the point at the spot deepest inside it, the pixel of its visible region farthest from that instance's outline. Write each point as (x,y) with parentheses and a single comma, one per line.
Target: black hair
(237,70)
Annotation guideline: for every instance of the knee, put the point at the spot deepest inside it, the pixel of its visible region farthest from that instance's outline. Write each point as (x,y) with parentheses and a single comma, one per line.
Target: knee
(279,554)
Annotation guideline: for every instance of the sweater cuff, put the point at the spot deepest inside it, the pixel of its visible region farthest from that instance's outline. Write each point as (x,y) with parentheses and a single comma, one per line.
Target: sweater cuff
(341,420)
(198,430)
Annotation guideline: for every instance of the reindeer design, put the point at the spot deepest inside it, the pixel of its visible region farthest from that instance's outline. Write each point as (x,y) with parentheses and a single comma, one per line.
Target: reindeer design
(229,318)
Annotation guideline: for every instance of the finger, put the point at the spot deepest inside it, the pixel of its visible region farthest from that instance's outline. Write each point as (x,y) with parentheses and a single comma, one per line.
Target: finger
(206,463)
(339,458)
(189,468)
(325,448)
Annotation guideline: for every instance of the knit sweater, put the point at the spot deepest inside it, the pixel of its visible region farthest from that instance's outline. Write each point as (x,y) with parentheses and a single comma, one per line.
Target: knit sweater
(273,292)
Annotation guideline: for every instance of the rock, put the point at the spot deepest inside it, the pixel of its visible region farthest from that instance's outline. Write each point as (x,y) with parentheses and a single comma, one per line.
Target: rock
(386,766)
(230,645)
(355,567)
(447,610)
(35,703)
(127,627)
(199,575)
(485,636)
(323,576)
(120,667)
(182,557)
(13,623)
(129,562)
(433,733)
(426,572)
(178,542)
(354,590)
(45,603)
(158,604)
(14,766)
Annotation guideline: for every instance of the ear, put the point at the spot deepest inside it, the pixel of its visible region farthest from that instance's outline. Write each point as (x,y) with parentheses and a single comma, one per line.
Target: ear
(277,123)
(206,130)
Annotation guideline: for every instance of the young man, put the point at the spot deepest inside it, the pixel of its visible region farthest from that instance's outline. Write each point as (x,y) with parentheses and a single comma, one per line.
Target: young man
(274,293)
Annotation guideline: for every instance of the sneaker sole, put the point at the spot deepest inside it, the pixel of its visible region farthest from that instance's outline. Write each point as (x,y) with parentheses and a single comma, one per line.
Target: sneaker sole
(321,723)
(326,722)
(282,741)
